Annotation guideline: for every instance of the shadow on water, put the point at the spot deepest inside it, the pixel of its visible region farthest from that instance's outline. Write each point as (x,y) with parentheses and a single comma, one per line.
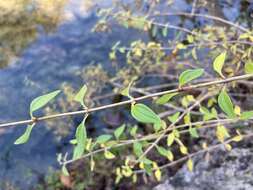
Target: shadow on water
(38,54)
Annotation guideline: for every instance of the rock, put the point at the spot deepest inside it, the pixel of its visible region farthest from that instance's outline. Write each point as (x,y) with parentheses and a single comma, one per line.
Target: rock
(224,171)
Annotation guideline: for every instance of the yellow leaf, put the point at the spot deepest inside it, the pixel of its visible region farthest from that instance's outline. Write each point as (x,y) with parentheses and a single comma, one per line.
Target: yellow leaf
(170,156)
(170,139)
(228,147)
(127,171)
(204,145)
(108,155)
(92,165)
(141,165)
(158,174)
(183,150)
(221,133)
(134,178)
(237,138)
(190,165)
(237,110)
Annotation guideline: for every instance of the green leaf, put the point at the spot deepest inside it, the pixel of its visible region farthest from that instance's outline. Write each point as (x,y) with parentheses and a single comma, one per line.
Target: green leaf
(248,68)
(79,97)
(165,98)
(194,132)
(189,75)
(162,151)
(41,101)
(138,149)
(173,118)
(246,115)
(158,126)
(25,137)
(207,114)
(226,104)
(103,139)
(118,132)
(219,62)
(144,114)
(81,138)
(133,131)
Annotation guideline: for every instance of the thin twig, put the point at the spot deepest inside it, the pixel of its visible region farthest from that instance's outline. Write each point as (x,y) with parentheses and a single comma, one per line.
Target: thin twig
(209,149)
(205,16)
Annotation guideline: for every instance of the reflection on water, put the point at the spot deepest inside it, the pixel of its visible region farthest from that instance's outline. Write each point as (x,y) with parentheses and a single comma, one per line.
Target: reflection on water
(45,43)
(20,21)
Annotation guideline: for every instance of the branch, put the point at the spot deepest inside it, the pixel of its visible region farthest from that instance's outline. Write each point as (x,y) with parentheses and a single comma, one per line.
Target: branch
(206,124)
(85,111)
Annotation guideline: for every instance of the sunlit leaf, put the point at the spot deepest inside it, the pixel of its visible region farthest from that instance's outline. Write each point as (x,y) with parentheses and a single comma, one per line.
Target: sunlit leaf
(165,98)
(144,114)
(41,101)
(226,104)
(25,137)
(190,75)
(219,62)
(118,132)
(81,95)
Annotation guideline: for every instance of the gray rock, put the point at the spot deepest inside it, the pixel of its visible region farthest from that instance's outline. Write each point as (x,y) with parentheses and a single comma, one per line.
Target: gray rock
(224,171)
